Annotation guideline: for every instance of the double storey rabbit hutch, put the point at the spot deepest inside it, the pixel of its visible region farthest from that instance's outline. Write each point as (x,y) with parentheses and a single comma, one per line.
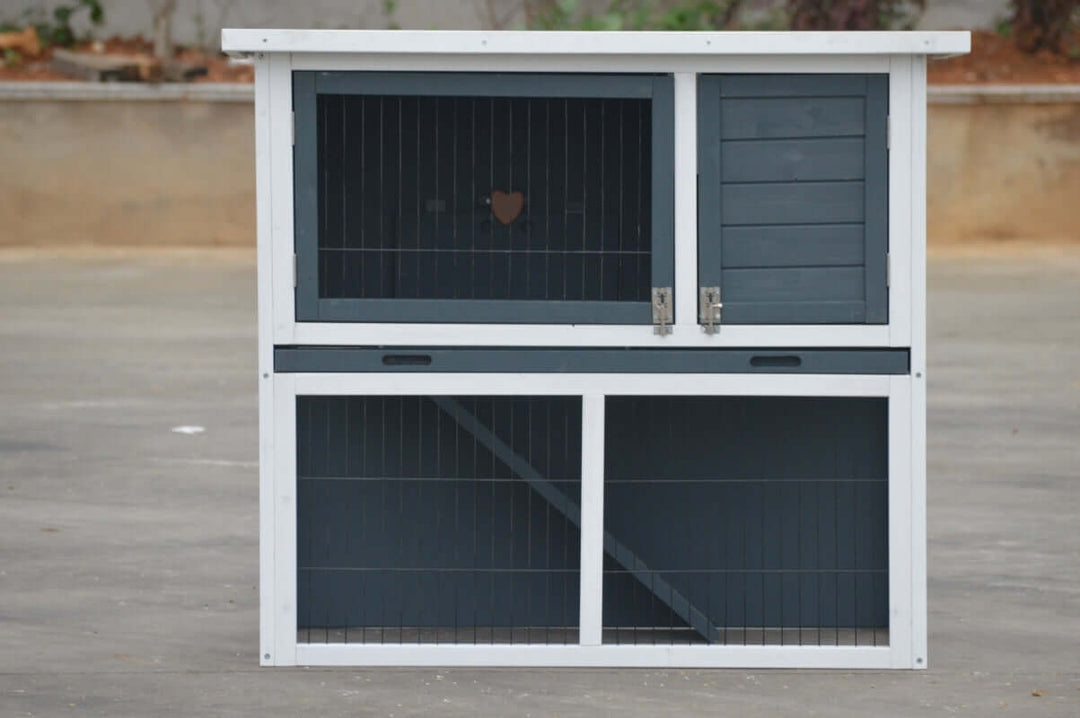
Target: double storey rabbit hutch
(592,348)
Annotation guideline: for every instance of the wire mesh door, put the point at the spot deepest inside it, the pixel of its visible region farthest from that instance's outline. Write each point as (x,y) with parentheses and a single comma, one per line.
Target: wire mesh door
(438,519)
(446,197)
(746,521)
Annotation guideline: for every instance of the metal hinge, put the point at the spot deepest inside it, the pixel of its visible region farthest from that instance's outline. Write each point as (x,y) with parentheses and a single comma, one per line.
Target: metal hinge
(888,270)
(709,308)
(292,129)
(294,271)
(663,313)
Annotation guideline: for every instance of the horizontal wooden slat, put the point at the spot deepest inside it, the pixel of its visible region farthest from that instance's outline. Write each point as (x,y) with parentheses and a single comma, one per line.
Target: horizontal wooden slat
(793,284)
(802,312)
(793,160)
(792,203)
(792,117)
(793,246)
(792,85)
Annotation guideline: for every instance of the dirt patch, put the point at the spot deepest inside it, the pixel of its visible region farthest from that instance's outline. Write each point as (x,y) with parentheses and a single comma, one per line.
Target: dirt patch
(218,66)
(994,59)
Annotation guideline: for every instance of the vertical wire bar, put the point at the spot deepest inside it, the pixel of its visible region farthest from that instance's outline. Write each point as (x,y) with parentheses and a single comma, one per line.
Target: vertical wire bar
(456,478)
(855,559)
(622,216)
(512,566)
(528,197)
(418,199)
(475,466)
(345,190)
(798,563)
(400,405)
(547,198)
(528,520)
(326,546)
(454,203)
(491,191)
(639,179)
(395,252)
(348,506)
(473,200)
(436,209)
(836,572)
(547,530)
(384,473)
(763,546)
(510,188)
(566,193)
(584,192)
(566,537)
(603,192)
(324,220)
(497,477)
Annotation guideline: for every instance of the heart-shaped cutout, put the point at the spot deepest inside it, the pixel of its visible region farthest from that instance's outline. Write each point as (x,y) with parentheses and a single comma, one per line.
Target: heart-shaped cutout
(507,206)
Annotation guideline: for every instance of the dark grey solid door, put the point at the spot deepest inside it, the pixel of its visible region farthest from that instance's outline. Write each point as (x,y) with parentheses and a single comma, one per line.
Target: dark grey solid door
(498,197)
(793,197)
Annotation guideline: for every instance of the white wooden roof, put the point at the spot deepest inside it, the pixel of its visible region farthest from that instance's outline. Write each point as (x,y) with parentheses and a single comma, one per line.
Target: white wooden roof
(456,42)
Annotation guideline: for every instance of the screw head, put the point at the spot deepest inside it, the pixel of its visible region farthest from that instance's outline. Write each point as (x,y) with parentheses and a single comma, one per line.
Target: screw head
(266,656)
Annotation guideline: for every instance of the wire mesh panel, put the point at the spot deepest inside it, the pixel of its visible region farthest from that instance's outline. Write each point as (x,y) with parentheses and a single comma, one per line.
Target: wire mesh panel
(746,521)
(438,519)
(414,190)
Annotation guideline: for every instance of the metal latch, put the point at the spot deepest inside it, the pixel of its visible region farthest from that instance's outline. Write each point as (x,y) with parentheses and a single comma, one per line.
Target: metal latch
(663,313)
(709,308)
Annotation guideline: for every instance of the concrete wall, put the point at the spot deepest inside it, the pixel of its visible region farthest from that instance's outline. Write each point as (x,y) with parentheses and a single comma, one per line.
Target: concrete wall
(126,173)
(181,171)
(1005,169)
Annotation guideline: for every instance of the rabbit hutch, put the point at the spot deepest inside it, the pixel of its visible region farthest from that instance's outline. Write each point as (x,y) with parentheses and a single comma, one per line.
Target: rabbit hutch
(592,349)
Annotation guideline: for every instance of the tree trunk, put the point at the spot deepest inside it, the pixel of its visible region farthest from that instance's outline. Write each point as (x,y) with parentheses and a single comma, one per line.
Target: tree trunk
(163,42)
(1042,24)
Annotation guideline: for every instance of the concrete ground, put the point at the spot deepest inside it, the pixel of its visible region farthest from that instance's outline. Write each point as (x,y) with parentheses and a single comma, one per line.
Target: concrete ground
(128,561)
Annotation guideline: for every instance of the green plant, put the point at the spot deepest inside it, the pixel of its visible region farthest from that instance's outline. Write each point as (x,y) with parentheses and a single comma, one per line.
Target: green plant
(1003,27)
(634,15)
(389,7)
(12,57)
(58,31)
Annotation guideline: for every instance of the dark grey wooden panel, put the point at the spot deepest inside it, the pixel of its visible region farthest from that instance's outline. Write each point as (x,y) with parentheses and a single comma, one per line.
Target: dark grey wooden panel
(793,203)
(793,284)
(877,200)
(793,85)
(485,84)
(793,246)
(747,508)
(795,312)
(792,117)
(486,311)
(542,360)
(793,197)
(793,160)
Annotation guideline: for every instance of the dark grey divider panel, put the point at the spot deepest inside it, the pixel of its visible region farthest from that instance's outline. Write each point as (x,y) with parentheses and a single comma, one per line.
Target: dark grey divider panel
(410,529)
(505,359)
(768,514)
(397,176)
(793,197)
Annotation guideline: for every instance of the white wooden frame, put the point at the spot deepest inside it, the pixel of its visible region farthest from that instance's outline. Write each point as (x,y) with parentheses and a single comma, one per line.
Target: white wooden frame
(279,572)
(906,92)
